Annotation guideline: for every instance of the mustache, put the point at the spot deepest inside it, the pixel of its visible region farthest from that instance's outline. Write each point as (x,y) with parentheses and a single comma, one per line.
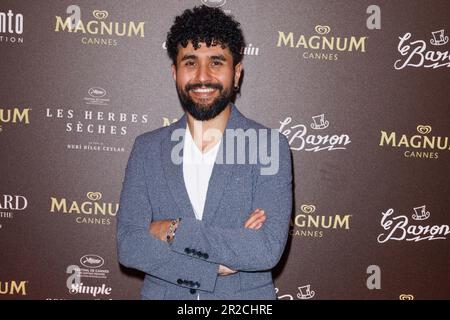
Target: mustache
(193,86)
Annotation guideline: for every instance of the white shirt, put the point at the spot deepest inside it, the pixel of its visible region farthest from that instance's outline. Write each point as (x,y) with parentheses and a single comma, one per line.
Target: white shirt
(197,170)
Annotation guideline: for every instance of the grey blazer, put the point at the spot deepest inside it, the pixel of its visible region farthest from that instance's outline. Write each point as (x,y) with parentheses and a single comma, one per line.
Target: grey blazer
(154,189)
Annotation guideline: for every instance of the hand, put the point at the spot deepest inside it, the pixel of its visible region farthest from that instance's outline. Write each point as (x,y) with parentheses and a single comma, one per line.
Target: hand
(225,271)
(159,229)
(255,222)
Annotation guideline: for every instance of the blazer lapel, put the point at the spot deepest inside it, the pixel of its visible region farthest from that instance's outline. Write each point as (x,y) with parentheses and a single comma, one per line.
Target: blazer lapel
(174,171)
(222,172)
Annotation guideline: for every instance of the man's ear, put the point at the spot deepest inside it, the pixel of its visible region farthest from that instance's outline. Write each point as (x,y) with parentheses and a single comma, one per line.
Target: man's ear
(174,72)
(237,73)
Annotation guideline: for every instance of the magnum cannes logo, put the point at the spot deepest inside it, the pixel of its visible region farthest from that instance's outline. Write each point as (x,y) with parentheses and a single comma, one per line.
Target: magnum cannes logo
(321,46)
(422,145)
(91,211)
(308,224)
(14,115)
(13,288)
(103,32)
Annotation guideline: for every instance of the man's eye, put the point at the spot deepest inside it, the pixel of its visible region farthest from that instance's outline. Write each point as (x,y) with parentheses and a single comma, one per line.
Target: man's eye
(216,63)
(190,63)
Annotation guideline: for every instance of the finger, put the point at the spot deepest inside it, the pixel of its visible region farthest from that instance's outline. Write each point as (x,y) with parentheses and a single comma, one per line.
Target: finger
(257,222)
(252,219)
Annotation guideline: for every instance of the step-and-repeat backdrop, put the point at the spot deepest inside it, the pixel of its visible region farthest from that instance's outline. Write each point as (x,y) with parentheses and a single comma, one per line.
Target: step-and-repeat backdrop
(360,89)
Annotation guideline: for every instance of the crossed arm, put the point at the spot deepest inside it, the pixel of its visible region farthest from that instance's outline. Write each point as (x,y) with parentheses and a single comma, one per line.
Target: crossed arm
(256,246)
(159,229)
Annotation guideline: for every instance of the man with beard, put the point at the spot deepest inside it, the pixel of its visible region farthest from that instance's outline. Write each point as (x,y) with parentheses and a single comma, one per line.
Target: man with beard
(200,227)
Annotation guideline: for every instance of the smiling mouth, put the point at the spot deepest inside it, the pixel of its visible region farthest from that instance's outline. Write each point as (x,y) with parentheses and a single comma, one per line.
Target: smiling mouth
(203,92)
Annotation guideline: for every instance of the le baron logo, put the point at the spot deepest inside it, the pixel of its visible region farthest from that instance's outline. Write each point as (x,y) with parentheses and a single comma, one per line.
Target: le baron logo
(98,31)
(11,204)
(399,227)
(75,285)
(97,96)
(13,287)
(416,54)
(309,224)
(90,211)
(11,27)
(422,145)
(14,116)
(322,45)
(304,293)
(299,139)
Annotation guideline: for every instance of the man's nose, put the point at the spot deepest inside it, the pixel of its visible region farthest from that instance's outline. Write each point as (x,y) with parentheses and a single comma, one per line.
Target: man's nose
(203,73)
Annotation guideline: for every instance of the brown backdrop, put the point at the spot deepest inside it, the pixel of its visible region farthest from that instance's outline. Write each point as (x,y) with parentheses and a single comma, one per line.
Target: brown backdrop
(366,115)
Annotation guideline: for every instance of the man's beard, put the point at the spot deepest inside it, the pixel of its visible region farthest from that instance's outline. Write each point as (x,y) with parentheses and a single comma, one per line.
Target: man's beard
(203,112)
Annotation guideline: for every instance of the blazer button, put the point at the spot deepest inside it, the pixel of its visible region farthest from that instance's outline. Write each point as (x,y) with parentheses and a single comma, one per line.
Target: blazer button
(187,250)
(193,251)
(192,291)
(197,285)
(206,256)
(179,281)
(200,254)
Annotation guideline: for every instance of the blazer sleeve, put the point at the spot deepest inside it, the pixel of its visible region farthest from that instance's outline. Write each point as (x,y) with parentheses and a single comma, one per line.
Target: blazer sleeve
(138,249)
(245,249)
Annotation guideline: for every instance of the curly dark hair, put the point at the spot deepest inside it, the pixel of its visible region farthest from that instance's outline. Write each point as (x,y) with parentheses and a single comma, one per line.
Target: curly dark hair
(209,25)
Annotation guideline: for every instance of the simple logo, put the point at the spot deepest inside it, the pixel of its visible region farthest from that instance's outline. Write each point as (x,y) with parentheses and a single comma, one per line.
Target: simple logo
(80,288)
(399,227)
(404,296)
(299,139)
